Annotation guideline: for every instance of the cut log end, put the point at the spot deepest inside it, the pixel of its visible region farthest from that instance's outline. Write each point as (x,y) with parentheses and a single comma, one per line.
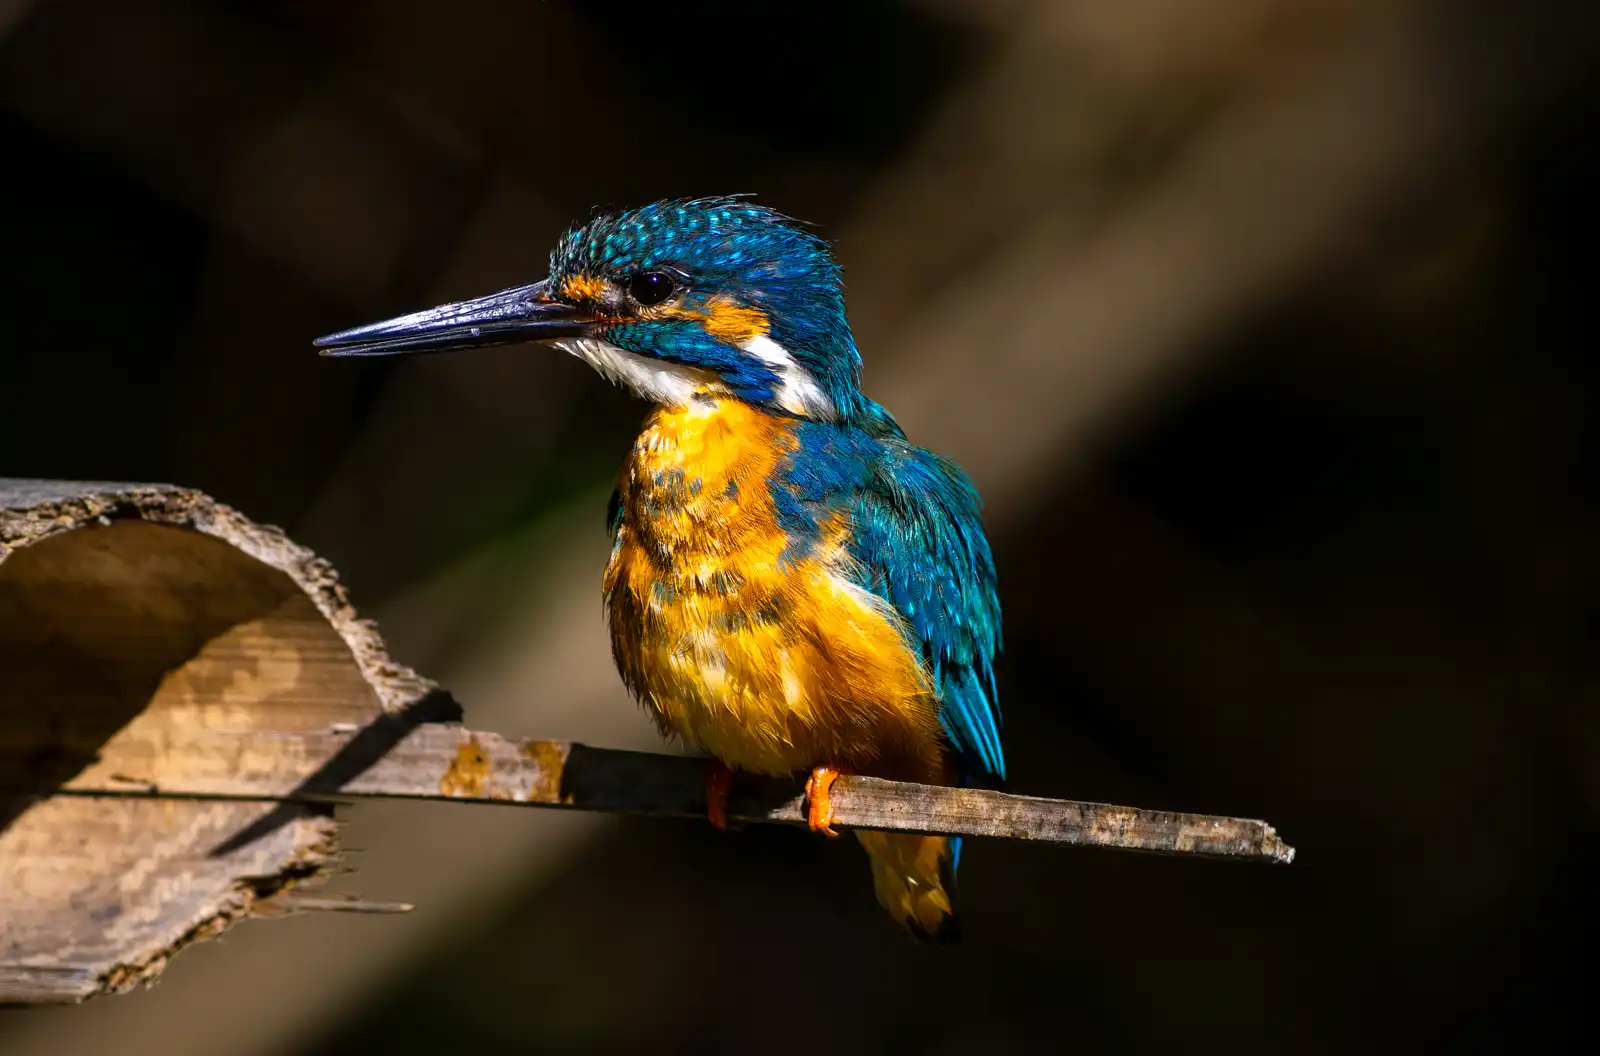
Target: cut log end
(131,616)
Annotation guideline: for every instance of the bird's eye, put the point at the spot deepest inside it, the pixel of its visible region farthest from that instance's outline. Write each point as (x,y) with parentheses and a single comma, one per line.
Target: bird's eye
(651,287)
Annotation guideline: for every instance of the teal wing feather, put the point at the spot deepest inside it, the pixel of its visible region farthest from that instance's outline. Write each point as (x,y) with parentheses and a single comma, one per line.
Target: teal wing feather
(921,545)
(918,542)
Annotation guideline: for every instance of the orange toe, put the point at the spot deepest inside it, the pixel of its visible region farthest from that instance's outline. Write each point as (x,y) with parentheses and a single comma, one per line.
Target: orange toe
(819,807)
(719,781)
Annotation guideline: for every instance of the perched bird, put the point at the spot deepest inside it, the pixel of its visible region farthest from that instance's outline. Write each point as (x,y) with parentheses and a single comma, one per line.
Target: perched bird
(793,586)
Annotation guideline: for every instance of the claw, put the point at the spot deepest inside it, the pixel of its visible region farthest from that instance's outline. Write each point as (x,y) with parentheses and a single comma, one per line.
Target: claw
(719,781)
(819,808)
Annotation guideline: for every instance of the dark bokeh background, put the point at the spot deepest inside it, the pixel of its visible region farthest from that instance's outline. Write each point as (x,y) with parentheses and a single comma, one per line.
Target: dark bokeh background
(1264,327)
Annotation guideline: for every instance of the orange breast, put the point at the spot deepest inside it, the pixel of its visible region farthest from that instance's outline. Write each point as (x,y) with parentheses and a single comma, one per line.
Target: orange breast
(769,666)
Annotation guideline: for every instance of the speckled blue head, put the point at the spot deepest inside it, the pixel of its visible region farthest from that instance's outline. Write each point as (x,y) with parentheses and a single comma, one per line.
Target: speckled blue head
(722,287)
(676,300)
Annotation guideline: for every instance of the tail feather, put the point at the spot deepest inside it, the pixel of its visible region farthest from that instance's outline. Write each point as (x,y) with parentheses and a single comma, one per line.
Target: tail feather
(914,877)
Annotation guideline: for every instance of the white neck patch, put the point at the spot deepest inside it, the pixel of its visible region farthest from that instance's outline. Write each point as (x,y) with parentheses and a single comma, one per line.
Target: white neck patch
(798,392)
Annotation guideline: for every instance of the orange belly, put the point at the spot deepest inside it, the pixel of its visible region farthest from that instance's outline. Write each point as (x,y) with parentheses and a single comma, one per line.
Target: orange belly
(769,665)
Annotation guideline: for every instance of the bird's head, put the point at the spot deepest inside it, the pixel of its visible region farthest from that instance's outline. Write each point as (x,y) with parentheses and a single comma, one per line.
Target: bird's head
(711,296)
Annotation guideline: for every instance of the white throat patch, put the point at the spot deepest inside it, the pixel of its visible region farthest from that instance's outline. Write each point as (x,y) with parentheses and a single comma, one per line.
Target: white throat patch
(674,385)
(668,384)
(798,392)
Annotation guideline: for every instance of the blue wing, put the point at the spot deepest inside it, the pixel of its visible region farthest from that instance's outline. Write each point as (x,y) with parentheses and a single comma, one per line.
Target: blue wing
(919,544)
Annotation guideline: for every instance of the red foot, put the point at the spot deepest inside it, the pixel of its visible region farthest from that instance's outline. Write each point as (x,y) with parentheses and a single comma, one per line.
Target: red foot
(719,780)
(819,808)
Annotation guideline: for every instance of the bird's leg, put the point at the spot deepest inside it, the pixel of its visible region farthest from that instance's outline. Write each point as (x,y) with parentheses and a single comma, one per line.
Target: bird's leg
(719,781)
(819,808)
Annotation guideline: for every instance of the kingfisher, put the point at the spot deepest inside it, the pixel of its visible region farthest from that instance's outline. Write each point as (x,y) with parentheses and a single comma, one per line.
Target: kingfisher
(794,587)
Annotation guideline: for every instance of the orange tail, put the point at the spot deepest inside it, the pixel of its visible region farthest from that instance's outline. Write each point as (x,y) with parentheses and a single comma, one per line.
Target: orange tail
(914,877)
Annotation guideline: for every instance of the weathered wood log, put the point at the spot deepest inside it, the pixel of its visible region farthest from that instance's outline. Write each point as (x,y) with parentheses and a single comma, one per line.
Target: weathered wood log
(184,693)
(132,617)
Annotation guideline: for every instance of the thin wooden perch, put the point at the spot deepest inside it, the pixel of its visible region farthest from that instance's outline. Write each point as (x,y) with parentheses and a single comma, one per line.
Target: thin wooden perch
(183,693)
(444,762)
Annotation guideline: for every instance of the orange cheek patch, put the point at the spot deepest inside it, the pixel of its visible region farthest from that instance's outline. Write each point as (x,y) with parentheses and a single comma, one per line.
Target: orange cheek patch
(583,288)
(734,323)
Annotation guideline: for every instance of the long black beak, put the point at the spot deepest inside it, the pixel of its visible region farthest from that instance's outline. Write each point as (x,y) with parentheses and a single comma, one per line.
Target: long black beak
(525,313)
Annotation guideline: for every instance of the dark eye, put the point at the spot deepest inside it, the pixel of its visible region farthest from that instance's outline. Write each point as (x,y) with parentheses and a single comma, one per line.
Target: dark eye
(651,287)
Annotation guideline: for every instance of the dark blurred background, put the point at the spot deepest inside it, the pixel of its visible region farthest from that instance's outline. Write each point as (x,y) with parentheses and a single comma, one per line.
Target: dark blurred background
(1260,324)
